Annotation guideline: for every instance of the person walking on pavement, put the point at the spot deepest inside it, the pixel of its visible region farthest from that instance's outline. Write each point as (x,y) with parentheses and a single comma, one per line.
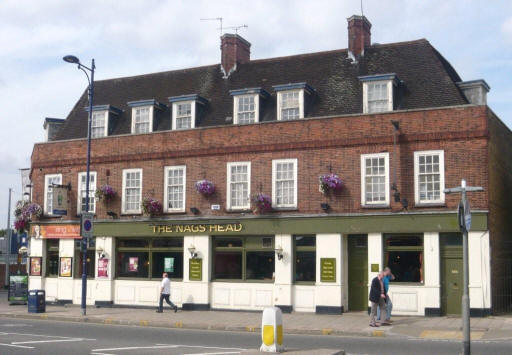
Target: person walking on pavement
(165,293)
(378,299)
(388,276)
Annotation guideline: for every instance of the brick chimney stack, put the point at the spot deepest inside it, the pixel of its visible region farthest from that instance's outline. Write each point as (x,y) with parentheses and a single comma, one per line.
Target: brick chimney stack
(359,35)
(234,50)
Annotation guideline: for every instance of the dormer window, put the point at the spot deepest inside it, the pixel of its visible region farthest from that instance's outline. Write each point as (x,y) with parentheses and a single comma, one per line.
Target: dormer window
(246,105)
(291,100)
(143,115)
(185,110)
(102,116)
(378,92)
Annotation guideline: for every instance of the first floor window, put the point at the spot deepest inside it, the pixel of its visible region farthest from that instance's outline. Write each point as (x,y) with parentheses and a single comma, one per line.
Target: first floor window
(375,179)
(403,254)
(183,114)
(284,176)
(149,258)
(99,124)
(429,176)
(82,195)
(142,120)
(239,185)
(246,109)
(378,96)
(244,258)
(49,181)
(132,191)
(52,257)
(290,105)
(175,177)
(90,258)
(305,258)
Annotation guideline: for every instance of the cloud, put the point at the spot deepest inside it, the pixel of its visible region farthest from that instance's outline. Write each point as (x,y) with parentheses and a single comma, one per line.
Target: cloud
(506,29)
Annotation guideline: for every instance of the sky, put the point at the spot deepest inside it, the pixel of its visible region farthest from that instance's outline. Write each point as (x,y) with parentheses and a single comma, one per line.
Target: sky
(136,37)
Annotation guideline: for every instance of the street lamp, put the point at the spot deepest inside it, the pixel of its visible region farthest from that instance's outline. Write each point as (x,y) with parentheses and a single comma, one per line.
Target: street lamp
(74,60)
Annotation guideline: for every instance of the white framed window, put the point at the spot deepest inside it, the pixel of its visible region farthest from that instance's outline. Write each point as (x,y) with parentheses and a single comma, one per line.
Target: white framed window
(81,192)
(132,191)
(183,114)
(429,176)
(99,124)
(175,188)
(284,183)
(239,186)
(246,109)
(377,96)
(142,119)
(49,180)
(375,179)
(290,105)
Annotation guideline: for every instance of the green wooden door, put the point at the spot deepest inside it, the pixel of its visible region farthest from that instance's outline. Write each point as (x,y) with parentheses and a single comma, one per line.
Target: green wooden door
(451,273)
(358,272)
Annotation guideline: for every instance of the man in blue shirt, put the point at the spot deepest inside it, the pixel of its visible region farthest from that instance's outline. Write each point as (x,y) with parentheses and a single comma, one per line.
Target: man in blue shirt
(388,276)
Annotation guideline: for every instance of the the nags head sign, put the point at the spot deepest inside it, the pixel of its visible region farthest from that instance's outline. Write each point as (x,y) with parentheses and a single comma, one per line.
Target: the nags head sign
(197,228)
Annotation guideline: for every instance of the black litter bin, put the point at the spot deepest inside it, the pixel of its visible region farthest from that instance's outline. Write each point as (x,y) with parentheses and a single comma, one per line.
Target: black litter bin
(36,301)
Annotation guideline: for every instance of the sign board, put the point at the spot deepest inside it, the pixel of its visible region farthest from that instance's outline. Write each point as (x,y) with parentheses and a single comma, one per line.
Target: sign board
(60,200)
(374,268)
(195,269)
(464,216)
(55,231)
(328,269)
(18,288)
(103,267)
(87,224)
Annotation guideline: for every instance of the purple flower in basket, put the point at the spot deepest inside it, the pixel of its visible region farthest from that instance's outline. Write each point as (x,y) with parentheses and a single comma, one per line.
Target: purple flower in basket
(263,202)
(205,187)
(20,225)
(106,192)
(151,206)
(330,182)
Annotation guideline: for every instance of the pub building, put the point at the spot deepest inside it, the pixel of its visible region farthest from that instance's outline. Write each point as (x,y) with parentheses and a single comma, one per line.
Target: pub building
(284,182)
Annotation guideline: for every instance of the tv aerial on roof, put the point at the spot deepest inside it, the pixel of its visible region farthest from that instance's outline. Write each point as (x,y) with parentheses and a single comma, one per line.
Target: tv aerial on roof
(214,19)
(236,28)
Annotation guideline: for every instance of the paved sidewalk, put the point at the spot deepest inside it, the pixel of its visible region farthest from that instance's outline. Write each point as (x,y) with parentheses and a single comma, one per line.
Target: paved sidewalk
(352,323)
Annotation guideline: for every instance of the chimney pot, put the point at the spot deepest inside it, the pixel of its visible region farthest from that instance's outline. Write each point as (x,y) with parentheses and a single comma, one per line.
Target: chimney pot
(359,35)
(234,50)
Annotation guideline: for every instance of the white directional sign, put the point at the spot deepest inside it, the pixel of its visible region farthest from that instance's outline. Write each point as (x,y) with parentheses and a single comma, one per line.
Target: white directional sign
(87,225)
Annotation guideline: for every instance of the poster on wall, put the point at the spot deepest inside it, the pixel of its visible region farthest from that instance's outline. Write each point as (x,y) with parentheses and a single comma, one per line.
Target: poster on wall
(66,267)
(133,264)
(169,264)
(103,267)
(35,266)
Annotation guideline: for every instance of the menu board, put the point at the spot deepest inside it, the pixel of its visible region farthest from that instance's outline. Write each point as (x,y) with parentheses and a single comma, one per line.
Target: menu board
(195,269)
(18,288)
(328,269)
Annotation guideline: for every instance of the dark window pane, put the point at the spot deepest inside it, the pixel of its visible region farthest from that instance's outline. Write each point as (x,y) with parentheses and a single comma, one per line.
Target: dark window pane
(228,265)
(406,265)
(52,243)
(259,265)
(406,240)
(305,240)
(133,243)
(168,243)
(228,242)
(169,262)
(266,243)
(305,266)
(52,263)
(451,239)
(132,264)
(91,263)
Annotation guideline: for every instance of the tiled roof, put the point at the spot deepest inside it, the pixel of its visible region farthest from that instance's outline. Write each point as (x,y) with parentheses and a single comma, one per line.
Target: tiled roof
(427,80)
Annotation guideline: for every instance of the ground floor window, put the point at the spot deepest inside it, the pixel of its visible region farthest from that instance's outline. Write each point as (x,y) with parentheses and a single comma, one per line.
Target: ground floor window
(305,258)
(149,258)
(90,257)
(52,257)
(244,258)
(404,255)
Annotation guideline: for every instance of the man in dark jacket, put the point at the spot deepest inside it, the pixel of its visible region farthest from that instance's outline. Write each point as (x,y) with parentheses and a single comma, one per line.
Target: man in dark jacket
(378,299)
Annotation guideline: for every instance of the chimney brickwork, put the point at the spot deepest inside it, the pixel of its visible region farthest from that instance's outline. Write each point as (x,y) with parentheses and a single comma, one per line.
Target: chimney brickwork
(359,35)
(234,50)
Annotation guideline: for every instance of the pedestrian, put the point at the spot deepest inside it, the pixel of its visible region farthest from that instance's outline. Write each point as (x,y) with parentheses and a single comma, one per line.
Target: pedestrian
(165,293)
(378,299)
(388,276)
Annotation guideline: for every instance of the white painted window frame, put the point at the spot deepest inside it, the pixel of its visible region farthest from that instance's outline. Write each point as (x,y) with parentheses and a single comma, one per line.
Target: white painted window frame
(228,187)
(92,189)
(363,183)
(390,94)
(236,98)
(151,117)
(123,198)
(105,117)
(301,102)
(274,190)
(441,177)
(46,185)
(192,113)
(166,185)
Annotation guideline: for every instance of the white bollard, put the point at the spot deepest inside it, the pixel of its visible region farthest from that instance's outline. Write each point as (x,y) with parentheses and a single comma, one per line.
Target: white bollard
(272,330)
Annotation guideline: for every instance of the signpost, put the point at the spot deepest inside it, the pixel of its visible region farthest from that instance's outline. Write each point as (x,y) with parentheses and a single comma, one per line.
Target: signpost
(464,219)
(87,225)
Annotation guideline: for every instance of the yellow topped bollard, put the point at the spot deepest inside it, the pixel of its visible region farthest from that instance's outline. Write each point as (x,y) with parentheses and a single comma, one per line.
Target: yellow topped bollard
(272,330)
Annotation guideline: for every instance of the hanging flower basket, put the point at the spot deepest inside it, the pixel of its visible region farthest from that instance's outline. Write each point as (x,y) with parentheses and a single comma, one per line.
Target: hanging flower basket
(20,225)
(24,213)
(263,203)
(205,187)
(151,207)
(105,193)
(330,182)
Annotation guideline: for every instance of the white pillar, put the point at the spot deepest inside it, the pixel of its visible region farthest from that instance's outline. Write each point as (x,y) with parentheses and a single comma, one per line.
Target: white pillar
(329,295)
(375,251)
(479,270)
(65,284)
(104,286)
(431,295)
(36,250)
(283,282)
(196,294)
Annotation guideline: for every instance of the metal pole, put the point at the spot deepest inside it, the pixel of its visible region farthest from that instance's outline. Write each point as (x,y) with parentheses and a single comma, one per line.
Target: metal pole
(84,240)
(9,234)
(466,342)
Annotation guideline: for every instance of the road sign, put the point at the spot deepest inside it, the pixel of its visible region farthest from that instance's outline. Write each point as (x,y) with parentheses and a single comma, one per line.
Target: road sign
(464,215)
(87,225)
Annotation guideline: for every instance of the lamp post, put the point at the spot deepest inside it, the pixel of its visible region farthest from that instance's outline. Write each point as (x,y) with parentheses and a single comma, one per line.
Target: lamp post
(74,60)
